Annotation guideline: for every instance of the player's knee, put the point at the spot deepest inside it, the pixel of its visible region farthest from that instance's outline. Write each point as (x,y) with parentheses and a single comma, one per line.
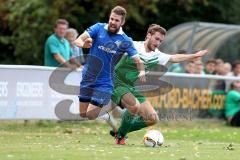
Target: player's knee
(91,116)
(83,115)
(133,109)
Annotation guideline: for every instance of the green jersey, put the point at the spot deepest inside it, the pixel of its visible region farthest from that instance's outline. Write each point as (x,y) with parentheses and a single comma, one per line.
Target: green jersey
(126,69)
(232,103)
(53,46)
(126,72)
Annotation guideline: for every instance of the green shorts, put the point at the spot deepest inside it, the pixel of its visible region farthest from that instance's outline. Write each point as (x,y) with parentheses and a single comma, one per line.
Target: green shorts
(121,88)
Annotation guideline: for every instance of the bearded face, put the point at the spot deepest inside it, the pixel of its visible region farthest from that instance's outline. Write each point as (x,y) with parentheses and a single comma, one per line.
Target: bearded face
(115,22)
(154,40)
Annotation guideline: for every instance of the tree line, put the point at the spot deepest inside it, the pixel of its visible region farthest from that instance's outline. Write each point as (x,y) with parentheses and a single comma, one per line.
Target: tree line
(26,24)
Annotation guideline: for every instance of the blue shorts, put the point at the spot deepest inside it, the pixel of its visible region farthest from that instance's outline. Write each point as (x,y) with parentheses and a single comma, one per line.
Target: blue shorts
(98,95)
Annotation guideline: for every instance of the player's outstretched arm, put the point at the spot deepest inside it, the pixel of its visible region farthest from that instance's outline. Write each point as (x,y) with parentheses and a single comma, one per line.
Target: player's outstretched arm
(84,40)
(175,58)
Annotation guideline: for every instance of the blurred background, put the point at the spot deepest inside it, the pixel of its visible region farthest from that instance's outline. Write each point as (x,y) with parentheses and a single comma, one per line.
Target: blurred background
(26,24)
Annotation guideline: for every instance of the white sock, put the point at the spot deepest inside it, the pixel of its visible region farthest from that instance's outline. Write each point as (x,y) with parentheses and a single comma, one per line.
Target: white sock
(120,110)
(110,120)
(105,117)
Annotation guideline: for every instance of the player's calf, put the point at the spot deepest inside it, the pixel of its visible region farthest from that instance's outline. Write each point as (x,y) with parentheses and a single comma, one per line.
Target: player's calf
(131,103)
(83,115)
(133,109)
(151,119)
(93,112)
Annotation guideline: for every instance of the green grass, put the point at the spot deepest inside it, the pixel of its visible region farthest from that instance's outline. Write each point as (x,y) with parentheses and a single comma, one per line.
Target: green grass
(184,140)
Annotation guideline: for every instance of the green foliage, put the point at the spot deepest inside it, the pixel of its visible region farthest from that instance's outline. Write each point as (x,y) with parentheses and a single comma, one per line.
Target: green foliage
(28,28)
(26,24)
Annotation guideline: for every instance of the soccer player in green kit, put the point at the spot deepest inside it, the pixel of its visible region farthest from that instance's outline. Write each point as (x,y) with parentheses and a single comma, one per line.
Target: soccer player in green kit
(140,113)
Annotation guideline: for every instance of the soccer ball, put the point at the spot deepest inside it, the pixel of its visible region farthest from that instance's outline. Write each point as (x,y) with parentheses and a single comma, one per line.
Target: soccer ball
(153,138)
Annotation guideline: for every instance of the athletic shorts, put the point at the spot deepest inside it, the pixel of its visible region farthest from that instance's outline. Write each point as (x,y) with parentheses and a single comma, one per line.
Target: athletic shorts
(96,94)
(121,88)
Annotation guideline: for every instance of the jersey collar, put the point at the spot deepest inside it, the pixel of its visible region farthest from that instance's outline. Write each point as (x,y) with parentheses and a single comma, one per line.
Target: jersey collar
(119,32)
(60,39)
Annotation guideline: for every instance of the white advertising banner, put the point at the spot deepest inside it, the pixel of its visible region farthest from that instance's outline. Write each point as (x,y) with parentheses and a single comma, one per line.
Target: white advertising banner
(37,92)
(25,92)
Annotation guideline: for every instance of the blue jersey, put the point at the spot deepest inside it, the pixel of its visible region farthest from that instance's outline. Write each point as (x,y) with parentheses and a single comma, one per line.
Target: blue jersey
(106,51)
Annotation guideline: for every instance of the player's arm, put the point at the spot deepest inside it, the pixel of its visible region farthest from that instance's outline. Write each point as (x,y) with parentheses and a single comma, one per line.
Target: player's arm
(140,67)
(175,58)
(133,53)
(84,40)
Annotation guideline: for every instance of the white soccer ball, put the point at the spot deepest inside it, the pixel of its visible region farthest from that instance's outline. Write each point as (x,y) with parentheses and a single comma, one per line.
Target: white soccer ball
(153,138)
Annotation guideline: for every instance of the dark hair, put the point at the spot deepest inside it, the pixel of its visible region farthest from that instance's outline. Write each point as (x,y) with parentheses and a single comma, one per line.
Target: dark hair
(232,85)
(235,64)
(211,61)
(61,21)
(153,28)
(119,10)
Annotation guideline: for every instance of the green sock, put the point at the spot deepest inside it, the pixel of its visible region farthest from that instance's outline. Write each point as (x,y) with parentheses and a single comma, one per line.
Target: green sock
(125,124)
(137,123)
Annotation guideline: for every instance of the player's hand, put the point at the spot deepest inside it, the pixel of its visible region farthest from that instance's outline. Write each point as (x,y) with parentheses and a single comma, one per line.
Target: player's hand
(201,53)
(142,76)
(87,43)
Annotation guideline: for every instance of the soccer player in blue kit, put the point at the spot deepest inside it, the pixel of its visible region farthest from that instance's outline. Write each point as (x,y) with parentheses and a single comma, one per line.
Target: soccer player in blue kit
(108,44)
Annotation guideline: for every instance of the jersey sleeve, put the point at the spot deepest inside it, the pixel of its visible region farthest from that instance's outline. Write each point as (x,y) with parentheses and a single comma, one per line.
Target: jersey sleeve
(93,30)
(53,47)
(163,58)
(131,50)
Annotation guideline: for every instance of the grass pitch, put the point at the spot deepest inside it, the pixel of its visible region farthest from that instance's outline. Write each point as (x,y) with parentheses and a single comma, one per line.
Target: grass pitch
(184,140)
